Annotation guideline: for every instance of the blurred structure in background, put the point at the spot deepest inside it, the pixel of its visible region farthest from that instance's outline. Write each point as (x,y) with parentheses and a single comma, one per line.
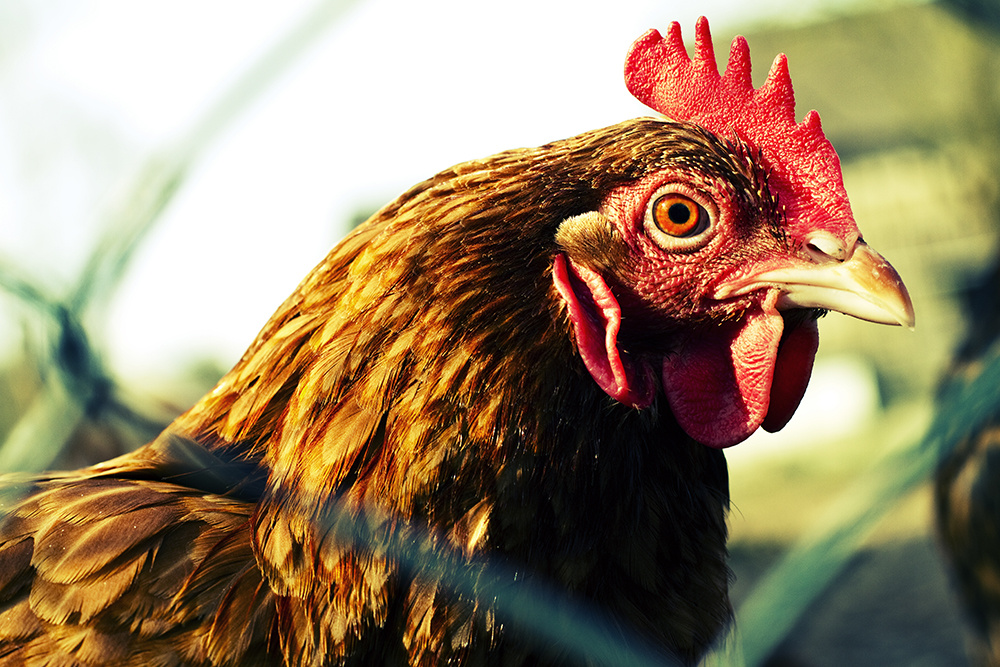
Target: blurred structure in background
(137,257)
(911,98)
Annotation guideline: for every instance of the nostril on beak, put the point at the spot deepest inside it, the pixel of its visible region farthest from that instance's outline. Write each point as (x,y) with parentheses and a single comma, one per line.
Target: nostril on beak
(824,247)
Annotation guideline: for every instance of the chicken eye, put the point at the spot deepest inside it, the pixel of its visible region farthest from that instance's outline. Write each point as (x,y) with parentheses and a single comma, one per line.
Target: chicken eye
(679,216)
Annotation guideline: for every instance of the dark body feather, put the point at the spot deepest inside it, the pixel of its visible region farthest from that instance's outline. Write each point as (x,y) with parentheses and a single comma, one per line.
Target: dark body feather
(426,370)
(967,483)
(968,517)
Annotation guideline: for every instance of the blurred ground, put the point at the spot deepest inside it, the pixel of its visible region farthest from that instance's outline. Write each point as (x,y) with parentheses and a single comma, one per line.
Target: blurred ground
(892,603)
(891,606)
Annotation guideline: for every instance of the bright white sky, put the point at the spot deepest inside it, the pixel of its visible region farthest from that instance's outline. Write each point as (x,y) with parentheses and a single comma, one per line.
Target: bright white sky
(394,92)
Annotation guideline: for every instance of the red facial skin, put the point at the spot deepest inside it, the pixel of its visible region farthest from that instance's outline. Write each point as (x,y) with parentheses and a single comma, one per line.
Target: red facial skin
(724,379)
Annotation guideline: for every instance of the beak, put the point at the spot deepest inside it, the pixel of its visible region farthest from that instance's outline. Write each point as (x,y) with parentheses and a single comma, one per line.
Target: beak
(864,285)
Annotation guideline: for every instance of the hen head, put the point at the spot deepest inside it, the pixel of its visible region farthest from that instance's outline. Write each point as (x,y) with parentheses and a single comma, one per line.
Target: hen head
(708,273)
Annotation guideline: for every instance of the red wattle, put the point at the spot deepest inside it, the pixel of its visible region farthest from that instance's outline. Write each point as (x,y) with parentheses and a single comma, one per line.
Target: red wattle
(718,382)
(792,370)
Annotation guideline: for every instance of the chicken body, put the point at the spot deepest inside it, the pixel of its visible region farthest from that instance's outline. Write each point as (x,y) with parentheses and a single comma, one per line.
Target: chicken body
(426,368)
(522,357)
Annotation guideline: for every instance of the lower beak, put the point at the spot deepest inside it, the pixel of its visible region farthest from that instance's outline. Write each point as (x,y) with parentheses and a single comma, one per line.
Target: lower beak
(864,286)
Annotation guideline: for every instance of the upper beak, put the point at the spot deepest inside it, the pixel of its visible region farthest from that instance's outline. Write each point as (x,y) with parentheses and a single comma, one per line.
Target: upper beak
(863,285)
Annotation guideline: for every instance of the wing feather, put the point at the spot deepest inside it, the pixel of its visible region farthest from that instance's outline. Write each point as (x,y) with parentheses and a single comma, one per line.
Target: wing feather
(110,570)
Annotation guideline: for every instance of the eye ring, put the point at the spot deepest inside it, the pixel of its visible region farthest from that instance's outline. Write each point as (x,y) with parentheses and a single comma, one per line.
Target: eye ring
(679,216)
(678,219)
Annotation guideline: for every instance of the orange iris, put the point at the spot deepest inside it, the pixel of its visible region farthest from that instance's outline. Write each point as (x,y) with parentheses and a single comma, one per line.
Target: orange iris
(676,215)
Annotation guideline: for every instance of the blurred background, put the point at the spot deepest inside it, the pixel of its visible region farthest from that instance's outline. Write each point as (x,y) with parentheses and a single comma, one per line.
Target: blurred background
(169,171)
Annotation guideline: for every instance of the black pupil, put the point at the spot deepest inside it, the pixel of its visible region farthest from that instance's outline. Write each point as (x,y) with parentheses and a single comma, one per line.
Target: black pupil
(679,214)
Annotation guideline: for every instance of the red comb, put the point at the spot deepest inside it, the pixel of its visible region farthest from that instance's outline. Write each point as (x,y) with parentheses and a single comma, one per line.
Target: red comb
(805,169)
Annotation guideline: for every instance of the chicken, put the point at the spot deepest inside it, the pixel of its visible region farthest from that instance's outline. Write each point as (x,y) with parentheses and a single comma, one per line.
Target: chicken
(533,359)
(967,479)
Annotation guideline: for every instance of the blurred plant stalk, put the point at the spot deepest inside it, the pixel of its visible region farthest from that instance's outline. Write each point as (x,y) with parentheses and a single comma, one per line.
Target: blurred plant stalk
(39,436)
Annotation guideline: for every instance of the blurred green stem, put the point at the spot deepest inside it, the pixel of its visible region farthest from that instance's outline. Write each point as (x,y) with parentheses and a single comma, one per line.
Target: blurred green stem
(37,438)
(53,416)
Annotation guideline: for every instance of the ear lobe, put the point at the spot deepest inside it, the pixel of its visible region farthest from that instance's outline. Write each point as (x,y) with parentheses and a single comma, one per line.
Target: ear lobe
(591,239)
(596,317)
